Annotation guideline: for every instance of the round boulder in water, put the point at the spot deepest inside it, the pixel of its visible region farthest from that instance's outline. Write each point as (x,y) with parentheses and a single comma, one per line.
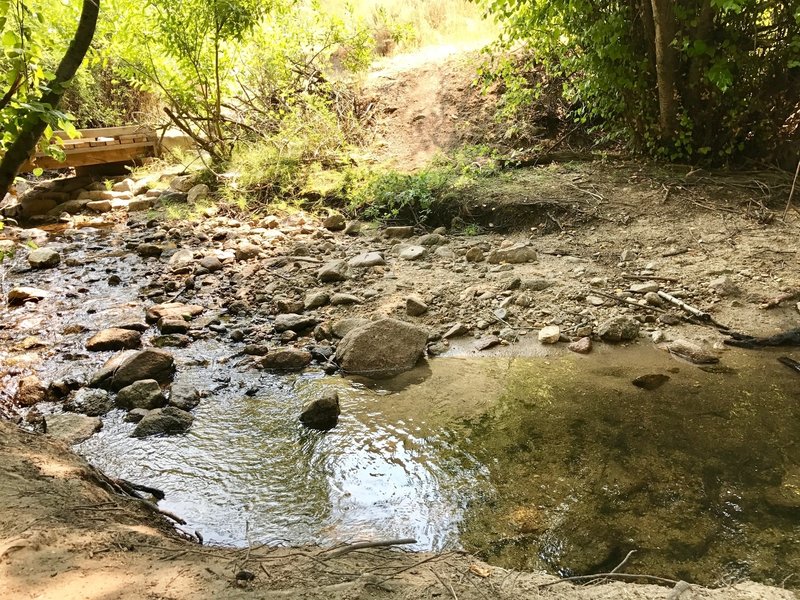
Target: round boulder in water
(321,413)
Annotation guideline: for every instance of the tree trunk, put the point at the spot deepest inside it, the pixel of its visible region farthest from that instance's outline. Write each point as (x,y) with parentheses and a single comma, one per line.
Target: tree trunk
(664,21)
(33,125)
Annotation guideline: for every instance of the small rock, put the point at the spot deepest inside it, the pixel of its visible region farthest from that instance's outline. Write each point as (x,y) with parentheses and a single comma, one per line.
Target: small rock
(487,342)
(595,300)
(246,250)
(101,206)
(172,310)
(315,300)
(321,413)
(431,239)
(516,254)
(335,270)
(145,393)
(344,299)
(535,285)
(415,306)
(651,381)
(618,329)
(456,330)
(171,340)
(653,299)
(126,185)
(181,259)
(474,255)
(366,260)
(669,319)
(412,252)
(44,258)
(30,391)
(692,352)
(167,325)
(294,322)
(91,402)
(114,339)
(550,334)
(582,346)
(658,336)
(149,250)
(72,428)
(184,396)
(402,232)
(353,228)
(335,222)
(644,288)
(211,263)
(163,421)
(197,192)
(286,359)
(724,286)
(21,295)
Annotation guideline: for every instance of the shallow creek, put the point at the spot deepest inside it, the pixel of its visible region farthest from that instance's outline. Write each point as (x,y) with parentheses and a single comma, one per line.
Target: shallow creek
(554,462)
(531,458)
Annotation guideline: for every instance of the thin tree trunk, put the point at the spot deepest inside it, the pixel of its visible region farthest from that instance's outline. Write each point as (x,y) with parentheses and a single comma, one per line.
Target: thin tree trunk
(664,21)
(33,125)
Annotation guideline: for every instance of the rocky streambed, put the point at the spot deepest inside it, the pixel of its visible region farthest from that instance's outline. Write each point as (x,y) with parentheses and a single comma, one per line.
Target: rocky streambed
(220,333)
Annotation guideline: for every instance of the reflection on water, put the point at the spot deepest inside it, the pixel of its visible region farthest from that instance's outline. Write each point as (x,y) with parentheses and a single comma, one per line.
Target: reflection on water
(555,463)
(247,464)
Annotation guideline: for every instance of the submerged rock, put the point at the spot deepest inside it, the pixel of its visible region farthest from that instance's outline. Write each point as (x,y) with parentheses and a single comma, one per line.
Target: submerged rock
(184,396)
(321,413)
(692,352)
(381,349)
(163,421)
(651,381)
(21,295)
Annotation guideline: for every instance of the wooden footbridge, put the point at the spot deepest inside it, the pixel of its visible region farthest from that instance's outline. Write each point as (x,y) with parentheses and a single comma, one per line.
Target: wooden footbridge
(102,146)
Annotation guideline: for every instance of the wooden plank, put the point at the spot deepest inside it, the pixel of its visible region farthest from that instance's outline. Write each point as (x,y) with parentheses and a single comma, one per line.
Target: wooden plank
(110,131)
(94,156)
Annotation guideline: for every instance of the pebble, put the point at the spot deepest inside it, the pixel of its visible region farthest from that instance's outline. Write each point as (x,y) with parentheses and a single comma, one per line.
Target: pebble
(415,306)
(412,252)
(550,334)
(582,346)
(644,288)
(43,258)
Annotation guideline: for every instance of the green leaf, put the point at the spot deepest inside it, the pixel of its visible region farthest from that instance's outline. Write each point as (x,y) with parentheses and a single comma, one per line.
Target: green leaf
(38,171)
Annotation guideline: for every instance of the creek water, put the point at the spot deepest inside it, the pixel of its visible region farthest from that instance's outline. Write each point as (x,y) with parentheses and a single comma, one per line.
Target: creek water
(554,462)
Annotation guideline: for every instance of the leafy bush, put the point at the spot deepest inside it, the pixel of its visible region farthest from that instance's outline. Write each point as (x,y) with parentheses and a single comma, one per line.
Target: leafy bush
(721,81)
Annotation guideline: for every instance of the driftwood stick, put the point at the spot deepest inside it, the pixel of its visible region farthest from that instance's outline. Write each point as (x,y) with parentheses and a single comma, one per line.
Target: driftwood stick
(791,193)
(601,575)
(628,301)
(373,544)
(624,560)
(650,278)
(791,363)
(703,316)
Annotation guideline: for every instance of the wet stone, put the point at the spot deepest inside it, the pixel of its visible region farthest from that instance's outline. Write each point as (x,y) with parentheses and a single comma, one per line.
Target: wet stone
(618,329)
(172,340)
(692,352)
(145,394)
(135,415)
(167,325)
(149,250)
(43,258)
(286,359)
(485,343)
(163,421)
(581,346)
(91,402)
(321,413)
(382,348)
(123,369)
(21,295)
(114,339)
(30,391)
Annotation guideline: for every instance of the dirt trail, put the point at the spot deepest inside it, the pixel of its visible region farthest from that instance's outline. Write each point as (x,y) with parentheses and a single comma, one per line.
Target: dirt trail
(427,103)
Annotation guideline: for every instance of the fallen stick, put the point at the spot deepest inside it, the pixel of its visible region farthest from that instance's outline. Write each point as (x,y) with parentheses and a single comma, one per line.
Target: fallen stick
(695,312)
(374,544)
(601,575)
(629,301)
(650,278)
(792,364)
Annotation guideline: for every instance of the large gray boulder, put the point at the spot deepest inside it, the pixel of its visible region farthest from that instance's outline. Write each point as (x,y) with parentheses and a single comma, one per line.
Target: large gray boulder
(123,369)
(381,349)
(163,421)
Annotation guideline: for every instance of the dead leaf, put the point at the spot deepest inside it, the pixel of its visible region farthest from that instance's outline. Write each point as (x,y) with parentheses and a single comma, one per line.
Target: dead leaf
(480,571)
